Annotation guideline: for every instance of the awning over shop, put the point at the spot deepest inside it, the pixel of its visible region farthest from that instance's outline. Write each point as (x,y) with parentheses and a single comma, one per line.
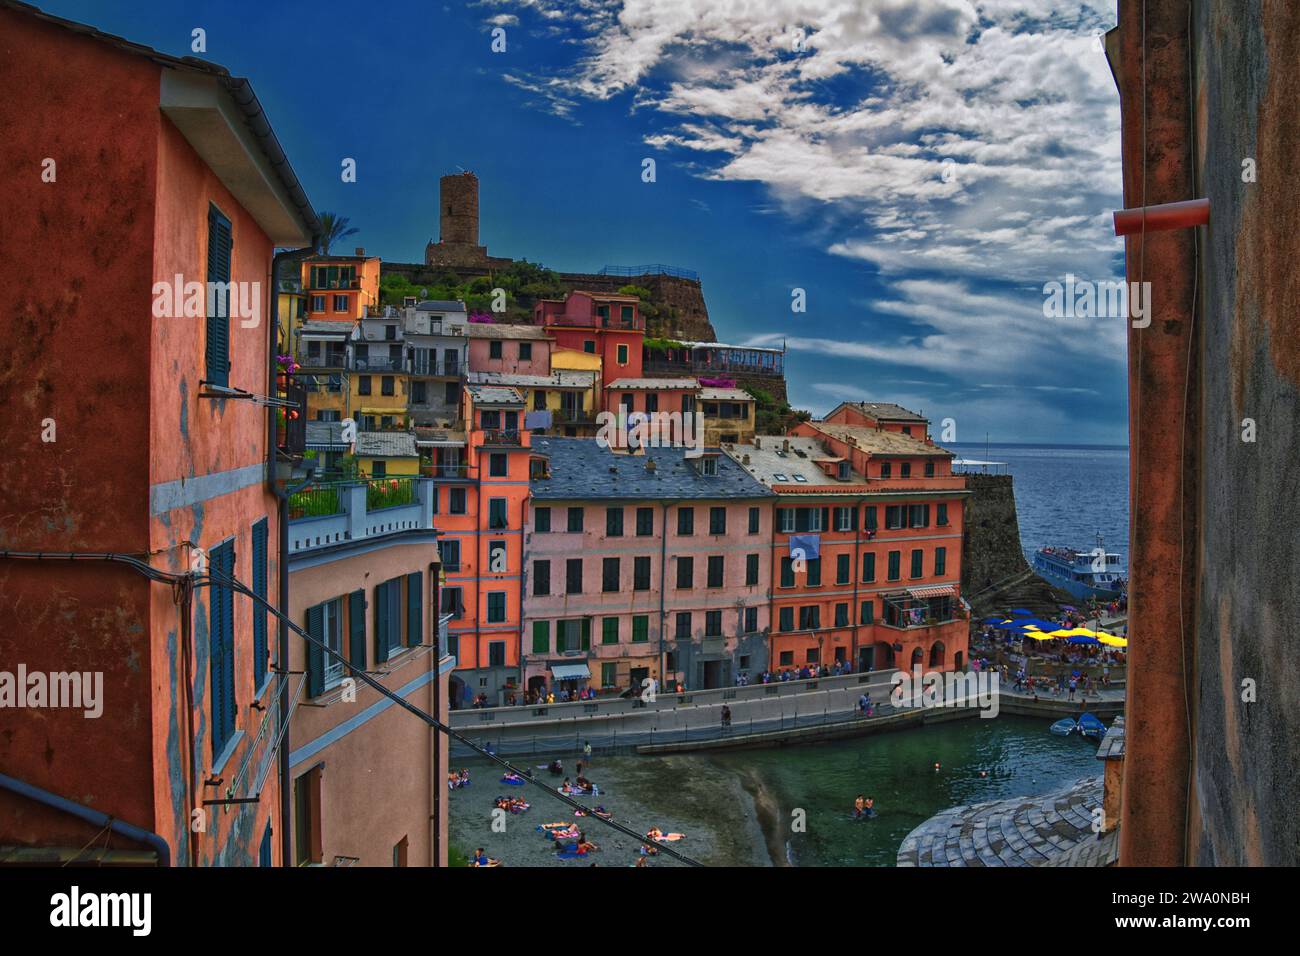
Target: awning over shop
(570,671)
(942,590)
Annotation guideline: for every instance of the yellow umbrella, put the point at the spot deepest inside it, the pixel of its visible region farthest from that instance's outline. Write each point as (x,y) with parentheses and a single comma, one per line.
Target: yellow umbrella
(1113,640)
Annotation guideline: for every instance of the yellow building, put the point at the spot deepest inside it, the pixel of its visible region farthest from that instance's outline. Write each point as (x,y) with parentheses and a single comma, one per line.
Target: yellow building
(340,287)
(728,416)
(556,404)
(387,454)
(290,310)
(576,360)
(320,349)
(378,373)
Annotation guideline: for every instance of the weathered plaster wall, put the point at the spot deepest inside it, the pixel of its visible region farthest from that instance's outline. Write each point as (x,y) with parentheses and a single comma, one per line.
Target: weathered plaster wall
(1246,761)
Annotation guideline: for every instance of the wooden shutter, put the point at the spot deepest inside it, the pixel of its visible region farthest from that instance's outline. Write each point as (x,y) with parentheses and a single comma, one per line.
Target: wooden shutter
(216,652)
(218,327)
(586,633)
(357,629)
(415,609)
(315,653)
(259,612)
(381,622)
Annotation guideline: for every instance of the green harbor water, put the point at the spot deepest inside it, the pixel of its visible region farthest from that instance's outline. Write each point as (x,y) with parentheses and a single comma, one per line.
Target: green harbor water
(897,770)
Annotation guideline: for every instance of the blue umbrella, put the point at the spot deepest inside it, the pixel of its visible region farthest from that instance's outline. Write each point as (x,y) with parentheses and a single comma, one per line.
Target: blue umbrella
(1021,610)
(1082,640)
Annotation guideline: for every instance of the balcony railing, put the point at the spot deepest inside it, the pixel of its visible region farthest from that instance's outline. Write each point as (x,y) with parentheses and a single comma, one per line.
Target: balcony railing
(571,417)
(500,436)
(318,501)
(719,366)
(444,471)
(444,368)
(378,363)
(330,360)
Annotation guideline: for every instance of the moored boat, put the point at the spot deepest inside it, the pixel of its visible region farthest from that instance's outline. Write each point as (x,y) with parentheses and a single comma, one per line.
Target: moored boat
(1085,574)
(1064,727)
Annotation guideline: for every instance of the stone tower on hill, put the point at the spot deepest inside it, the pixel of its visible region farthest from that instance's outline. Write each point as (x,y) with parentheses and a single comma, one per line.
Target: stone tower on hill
(457,244)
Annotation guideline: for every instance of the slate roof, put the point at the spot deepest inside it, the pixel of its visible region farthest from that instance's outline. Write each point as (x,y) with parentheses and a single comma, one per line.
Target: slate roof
(879,442)
(711,394)
(386,445)
(485,330)
(440,305)
(580,469)
(325,434)
(635,383)
(887,412)
(561,378)
(494,395)
(341,327)
(798,466)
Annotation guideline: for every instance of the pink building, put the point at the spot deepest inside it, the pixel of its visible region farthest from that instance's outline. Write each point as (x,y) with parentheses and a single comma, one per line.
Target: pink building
(515,349)
(643,566)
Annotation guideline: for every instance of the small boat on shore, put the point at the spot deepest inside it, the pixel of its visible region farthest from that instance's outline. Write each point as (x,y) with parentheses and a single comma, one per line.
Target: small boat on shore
(1085,574)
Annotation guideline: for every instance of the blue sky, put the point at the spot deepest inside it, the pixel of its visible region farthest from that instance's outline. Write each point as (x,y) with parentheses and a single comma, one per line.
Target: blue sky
(921,168)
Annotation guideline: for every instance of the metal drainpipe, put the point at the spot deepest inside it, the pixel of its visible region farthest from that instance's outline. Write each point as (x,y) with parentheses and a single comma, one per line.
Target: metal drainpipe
(282,648)
(663,586)
(93,817)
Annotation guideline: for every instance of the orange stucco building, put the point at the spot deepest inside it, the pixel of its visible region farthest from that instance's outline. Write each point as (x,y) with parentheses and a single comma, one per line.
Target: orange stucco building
(135,444)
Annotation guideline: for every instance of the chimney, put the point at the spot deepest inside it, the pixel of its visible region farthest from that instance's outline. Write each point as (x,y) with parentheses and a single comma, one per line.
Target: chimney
(361,252)
(758,443)
(785,445)
(650,464)
(744,459)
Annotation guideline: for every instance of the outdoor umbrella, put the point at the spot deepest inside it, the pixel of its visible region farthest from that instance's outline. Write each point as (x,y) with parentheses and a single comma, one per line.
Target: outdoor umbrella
(1079,639)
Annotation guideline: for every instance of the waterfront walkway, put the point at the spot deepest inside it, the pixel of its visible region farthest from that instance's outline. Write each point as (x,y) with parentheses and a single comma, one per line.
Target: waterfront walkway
(1053,829)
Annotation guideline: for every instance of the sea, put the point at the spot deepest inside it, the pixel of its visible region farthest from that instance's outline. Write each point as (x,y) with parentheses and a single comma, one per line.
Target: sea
(1065,494)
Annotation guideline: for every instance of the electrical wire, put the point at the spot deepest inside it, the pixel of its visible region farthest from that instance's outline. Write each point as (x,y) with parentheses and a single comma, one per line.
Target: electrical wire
(214,579)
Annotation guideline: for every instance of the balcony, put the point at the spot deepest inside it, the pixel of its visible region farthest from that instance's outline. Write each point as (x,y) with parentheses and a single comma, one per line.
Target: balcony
(500,436)
(329,514)
(445,472)
(657,362)
(378,363)
(421,365)
(569,416)
(332,360)
(905,612)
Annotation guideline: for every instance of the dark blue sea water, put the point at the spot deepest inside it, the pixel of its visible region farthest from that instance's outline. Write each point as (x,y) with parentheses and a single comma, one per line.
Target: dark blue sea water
(1065,494)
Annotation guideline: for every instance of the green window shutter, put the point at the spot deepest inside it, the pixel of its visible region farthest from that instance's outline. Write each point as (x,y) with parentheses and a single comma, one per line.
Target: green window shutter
(381,622)
(315,653)
(586,633)
(217,355)
(640,628)
(609,630)
(541,637)
(357,629)
(259,612)
(415,608)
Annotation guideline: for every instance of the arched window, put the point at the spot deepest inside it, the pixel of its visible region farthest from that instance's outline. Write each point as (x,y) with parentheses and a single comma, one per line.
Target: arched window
(936,654)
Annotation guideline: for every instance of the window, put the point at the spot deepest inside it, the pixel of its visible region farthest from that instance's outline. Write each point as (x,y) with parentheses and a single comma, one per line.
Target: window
(753,520)
(812,655)
(842,614)
(918,516)
(496,649)
(573,576)
(363,384)
(542,520)
(751,570)
(868,567)
(712,623)
(787,573)
(259,611)
(378,468)
(539,400)
(843,470)
(217,344)
(685,572)
(785,520)
(810,617)
(786,617)
(895,560)
(622,355)
(221,648)
(683,625)
(525,351)
(751,620)
(893,517)
(843,568)
(541,578)
(609,630)
(449,554)
(940,561)
(626,313)
(609,675)
(306,818)
(717,521)
(715,571)
(917,557)
(886,470)
(613,522)
(456,501)
(494,350)
(415,609)
(317,303)
(388,618)
(787,658)
(929,469)
(575,520)
(641,574)
(652,402)
(645,522)
(685,521)
(497,514)
(905,470)
(640,628)
(868,612)
(453,602)
(498,465)
(541,637)
(496,610)
(419,394)
(941,515)
(709,466)
(340,303)
(589,345)
(609,575)
(814,573)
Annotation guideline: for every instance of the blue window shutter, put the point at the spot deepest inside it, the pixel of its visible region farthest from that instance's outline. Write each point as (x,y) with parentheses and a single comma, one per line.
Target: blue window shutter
(315,653)
(264,851)
(414,608)
(259,613)
(228,618)
(381,622)
(216,656)
(218,327)
(357,629)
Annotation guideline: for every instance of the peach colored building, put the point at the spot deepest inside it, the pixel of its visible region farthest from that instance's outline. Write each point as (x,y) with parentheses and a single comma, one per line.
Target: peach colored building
(130,432)
(512,349)
(647,565)
(368,778)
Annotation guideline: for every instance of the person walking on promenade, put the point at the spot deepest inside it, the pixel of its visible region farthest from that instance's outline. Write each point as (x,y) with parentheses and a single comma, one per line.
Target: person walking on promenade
(726,717)
(586,752)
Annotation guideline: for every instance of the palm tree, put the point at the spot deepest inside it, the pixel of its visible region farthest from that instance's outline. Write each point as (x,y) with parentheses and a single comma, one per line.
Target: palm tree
(333,229)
